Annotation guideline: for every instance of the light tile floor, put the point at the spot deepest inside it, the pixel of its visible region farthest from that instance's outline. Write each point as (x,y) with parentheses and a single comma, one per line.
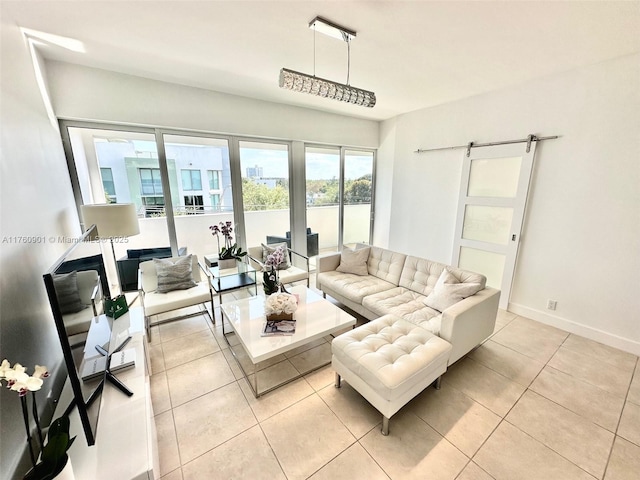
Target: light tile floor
(533,402)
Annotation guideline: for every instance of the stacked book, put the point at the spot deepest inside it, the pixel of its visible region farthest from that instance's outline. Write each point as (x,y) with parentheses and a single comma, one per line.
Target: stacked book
(94,367)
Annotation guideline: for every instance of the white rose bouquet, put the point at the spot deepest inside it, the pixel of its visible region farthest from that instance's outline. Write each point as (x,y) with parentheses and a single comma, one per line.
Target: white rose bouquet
(280,303)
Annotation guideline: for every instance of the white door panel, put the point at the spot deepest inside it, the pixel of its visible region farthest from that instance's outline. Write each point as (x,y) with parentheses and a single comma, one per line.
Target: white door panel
(493,195)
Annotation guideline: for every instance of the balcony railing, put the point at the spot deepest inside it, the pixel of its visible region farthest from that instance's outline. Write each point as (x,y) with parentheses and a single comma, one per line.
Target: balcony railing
(192,227)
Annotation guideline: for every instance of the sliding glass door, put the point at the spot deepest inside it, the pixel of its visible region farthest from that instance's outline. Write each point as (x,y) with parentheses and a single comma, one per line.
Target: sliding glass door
(201,189)
(357,197)
(183,182)
(339,196)
(322,167)
(119,166)
(265,191)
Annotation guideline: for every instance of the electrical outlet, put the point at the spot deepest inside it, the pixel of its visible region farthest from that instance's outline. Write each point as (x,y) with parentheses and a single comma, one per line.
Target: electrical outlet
(551,304)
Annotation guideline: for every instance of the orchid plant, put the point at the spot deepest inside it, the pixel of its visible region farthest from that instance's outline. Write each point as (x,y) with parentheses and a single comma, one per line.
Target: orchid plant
(54,456)
(275,258)
(18,380)
(270,279)
(229,250)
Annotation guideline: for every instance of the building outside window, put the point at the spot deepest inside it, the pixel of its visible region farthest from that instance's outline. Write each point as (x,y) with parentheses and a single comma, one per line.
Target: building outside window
(150,181)
(215,202)
(214,179)
(193,204)
(191,180)
(255,172)
(108,184)
(151,189)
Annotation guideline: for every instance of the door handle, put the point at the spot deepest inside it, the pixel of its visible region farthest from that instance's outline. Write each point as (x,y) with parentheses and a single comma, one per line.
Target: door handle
(513,237)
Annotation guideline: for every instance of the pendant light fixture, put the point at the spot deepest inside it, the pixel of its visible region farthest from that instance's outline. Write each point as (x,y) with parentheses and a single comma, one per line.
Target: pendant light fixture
(301,82)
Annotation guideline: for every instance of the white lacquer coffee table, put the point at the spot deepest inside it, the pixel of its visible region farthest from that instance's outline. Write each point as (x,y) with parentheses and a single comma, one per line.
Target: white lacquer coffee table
(270,362)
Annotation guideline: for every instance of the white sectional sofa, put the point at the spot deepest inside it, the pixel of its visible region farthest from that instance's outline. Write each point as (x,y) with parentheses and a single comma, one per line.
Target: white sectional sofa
(424,316)
(398,284)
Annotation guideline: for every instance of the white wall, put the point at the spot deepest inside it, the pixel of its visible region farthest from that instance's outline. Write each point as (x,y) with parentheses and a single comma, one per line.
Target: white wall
(384,183)
(91,94)
(581,237)
(36,204)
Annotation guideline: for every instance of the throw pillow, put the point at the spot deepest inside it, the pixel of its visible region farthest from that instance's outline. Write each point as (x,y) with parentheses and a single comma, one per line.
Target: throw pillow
(174,276)
(354,261)
(66,285)
(269,249)
(448,291)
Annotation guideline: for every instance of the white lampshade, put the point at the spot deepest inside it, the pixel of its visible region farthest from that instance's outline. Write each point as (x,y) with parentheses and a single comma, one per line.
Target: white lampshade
(112,219)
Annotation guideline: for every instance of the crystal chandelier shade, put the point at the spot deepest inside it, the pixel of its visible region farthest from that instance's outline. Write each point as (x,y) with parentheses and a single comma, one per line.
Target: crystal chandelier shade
(301,82)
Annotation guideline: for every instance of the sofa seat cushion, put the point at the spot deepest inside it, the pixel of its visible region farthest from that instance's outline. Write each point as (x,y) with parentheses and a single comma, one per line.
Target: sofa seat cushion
(79,322)
(155,303)
(391,354)
(292,274)
(406,304)
(353,287)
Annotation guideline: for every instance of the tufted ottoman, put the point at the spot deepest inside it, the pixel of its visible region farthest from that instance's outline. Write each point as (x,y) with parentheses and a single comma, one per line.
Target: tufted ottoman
(389,361)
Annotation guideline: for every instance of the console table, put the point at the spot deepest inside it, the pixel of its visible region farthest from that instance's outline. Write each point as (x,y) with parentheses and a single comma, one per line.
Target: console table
(126,443)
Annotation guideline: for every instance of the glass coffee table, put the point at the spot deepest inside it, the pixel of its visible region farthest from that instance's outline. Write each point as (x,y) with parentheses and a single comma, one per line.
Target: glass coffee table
(229,279)
(270,362)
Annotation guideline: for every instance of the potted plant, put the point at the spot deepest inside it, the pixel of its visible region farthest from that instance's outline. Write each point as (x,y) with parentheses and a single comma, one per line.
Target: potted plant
(271,283)
(230,253)
(54,457)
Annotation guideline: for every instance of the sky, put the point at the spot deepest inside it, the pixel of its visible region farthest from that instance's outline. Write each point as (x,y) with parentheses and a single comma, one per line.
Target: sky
(319,166)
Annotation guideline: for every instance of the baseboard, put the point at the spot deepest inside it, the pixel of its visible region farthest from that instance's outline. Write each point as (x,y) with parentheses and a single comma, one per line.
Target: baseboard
(577,328)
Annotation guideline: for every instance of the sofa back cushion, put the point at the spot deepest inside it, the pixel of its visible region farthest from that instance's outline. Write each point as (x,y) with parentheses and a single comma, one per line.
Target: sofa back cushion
(149,274)
(386,265)
(421,275)
(354,261)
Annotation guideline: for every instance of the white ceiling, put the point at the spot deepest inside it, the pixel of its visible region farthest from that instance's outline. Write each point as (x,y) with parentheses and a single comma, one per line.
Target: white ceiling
(413,54)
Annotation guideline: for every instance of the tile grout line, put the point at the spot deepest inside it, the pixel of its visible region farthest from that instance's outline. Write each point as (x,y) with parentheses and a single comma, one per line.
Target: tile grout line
(504,418)
(636,369)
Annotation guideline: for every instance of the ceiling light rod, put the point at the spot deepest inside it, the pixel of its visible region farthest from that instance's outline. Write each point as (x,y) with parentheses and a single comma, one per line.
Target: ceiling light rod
(331,29)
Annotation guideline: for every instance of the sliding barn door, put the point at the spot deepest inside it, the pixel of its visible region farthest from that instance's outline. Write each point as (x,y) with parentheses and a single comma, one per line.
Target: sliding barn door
(493,196)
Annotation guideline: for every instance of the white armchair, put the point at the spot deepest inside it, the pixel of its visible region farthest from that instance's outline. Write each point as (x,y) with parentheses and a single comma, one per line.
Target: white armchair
(291,274)
(154,303)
